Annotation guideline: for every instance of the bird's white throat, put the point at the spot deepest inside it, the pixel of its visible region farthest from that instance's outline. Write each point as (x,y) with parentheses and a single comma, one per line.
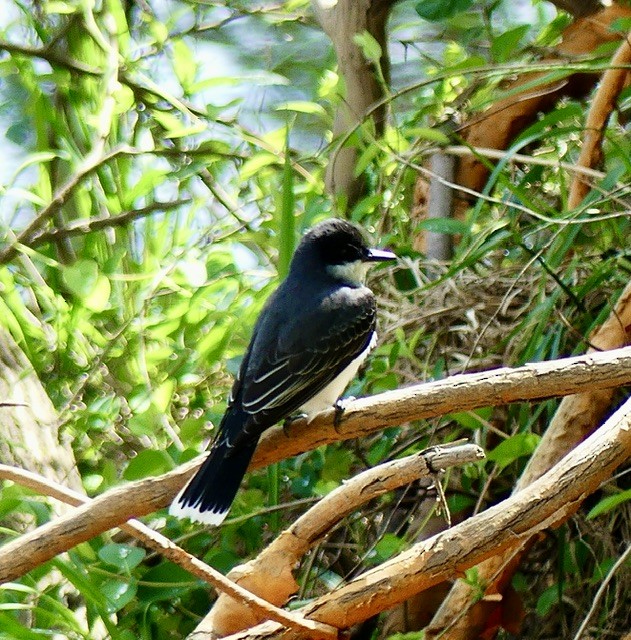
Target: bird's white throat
(354,272)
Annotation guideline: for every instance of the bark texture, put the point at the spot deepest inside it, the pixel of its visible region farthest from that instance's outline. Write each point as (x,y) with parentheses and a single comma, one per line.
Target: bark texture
(341,21)
(364,416)
(270,574)
(543,504)
(29,436)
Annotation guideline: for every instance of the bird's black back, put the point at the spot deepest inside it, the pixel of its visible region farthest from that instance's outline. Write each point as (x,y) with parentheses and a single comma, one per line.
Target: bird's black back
(302,340)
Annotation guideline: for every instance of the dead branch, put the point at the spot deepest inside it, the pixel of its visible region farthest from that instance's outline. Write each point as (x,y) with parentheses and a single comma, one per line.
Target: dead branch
(460,616)
(153,540)
(613,82)
(270,576)
(456,393)
(504,526)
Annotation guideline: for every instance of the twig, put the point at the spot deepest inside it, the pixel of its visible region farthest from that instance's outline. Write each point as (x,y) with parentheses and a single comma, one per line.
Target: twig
(601,591)
(168,549)
(90,164)
(501,154)
(53,58)
(504,526)
(576,416)
(89,225)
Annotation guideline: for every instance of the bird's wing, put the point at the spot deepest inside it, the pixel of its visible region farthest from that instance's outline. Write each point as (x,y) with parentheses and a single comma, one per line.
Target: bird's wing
(308,354)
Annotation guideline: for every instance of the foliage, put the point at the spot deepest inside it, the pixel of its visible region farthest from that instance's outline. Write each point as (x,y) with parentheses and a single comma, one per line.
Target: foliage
(164,158)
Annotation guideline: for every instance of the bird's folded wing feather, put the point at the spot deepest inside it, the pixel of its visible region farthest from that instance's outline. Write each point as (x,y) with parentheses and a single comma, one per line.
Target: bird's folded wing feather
(300,364)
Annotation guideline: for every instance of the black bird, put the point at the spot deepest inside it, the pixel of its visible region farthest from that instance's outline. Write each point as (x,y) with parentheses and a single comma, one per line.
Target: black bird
(308,343)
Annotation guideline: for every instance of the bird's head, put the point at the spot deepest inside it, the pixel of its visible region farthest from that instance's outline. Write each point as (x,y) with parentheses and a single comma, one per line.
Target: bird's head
(341,249)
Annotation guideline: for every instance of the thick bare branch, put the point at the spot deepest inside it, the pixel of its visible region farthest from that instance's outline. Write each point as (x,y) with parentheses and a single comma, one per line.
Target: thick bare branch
(363,416)
(461,615)
(506,525)
(341,21)
(153,540)
(270,575)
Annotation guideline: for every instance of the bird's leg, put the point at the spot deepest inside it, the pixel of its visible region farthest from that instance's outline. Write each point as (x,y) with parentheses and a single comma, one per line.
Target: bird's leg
(340,407)
(289,420)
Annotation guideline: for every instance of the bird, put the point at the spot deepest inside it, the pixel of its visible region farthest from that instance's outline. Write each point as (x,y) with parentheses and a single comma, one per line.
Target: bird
(308,343)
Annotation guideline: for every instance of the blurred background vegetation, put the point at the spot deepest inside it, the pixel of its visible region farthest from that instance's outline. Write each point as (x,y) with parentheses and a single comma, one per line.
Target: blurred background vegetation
(161,159)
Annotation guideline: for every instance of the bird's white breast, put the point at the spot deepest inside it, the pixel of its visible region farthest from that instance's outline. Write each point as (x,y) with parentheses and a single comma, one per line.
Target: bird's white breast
(326,398)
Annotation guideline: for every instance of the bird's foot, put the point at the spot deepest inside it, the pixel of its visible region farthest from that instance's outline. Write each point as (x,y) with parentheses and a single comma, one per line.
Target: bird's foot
(340,407)
(289,420)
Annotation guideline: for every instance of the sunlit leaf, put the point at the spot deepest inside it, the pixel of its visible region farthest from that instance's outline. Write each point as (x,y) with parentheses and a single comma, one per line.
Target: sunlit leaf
(435,10)
(609,503)
(122,556)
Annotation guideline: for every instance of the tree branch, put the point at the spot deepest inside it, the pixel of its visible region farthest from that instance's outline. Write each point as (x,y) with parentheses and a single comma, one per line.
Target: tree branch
(153,540)
(456,393)
(89,225)
(462,616)
(90,163)
(504,526)
(53,58)
(612,83)
(270,574)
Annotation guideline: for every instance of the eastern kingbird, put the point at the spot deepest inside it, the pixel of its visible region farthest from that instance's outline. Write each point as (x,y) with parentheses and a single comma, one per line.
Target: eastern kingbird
(308,343)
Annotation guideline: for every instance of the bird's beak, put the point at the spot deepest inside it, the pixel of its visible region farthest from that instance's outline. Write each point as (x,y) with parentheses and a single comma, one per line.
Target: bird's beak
(380,255)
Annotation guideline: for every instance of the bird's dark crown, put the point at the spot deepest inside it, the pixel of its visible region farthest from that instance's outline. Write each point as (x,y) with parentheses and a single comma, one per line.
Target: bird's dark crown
(334,242)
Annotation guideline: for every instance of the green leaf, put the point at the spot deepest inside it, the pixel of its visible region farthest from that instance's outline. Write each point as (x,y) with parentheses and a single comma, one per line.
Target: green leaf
(429,133)
(62,8)
(81,277)
(175,580)
(98,299)
(150,462)
(609,503)
(548,600)
(162,395)
(303,106)
(184,63)
(174,127)
(444,225)
(517,446)
(435,10)
(504,46)
(287,218)
(473,419)
(119,593)
(257,162)
(122,556)
(82,581)
(388,546)
(369,46)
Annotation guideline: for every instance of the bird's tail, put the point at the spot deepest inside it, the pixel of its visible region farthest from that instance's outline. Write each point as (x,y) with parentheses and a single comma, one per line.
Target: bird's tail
(208,495)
